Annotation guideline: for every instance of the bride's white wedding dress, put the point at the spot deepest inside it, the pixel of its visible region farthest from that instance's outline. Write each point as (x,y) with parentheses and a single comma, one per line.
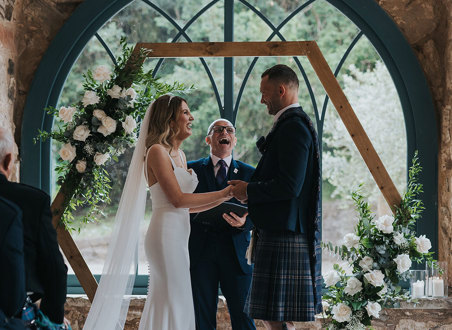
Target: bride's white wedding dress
(169,304)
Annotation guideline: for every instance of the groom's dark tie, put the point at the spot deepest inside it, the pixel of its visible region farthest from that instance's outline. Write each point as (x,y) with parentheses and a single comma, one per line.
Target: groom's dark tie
(221,174)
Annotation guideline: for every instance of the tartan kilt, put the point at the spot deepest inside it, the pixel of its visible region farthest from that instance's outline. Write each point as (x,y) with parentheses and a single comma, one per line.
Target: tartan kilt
(281,287)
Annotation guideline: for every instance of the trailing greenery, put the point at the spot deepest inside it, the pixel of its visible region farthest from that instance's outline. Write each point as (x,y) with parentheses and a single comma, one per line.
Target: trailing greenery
(100,127)
(380,252)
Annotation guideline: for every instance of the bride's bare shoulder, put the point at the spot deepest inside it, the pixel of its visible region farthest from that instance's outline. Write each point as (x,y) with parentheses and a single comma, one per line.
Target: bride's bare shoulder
(157,150)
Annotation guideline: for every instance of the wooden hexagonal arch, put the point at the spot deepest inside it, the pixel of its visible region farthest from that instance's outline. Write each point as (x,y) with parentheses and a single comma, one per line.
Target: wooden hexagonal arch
(309,49)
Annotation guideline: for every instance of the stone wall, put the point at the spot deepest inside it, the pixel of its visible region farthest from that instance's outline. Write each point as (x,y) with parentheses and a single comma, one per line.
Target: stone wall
(427,25)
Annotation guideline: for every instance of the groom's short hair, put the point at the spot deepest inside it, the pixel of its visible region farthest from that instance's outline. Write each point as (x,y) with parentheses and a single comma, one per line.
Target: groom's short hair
(282,74)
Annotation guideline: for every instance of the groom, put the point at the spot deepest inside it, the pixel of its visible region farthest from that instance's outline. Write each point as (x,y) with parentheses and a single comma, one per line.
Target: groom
(283,203)
(217,253)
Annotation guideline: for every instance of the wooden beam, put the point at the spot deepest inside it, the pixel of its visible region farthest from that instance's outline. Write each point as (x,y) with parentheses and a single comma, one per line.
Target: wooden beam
(353,126)
(226,49)
(70,249)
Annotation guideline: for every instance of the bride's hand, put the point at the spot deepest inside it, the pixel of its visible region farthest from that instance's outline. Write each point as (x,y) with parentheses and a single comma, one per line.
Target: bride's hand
(228,192)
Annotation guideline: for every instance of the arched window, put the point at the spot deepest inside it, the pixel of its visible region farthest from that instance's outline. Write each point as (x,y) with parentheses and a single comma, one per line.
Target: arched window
(373,62)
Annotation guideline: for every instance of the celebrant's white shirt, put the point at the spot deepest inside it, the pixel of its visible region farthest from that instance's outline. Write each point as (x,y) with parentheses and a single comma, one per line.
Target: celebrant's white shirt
(216,166)
(280,112)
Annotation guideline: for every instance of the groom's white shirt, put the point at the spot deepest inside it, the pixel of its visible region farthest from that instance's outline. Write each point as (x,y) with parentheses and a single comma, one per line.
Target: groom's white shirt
(280,112)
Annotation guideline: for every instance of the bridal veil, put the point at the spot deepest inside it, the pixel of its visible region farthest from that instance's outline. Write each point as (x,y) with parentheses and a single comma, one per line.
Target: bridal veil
(111,302)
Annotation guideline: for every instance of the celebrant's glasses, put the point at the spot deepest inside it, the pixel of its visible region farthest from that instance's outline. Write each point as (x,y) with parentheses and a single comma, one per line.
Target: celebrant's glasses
(219,129)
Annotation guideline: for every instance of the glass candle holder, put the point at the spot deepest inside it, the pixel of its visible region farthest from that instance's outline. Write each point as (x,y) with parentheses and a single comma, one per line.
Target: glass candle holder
(437,279)
(418,283)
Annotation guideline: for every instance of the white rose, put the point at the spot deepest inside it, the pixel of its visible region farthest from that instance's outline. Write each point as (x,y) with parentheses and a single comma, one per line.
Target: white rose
(102,73)
(325,306)
(353,286)
(403,262)
(103,130)
(373,309)
(99,114)
(109,123)
(129,124)
(375,277)
(129,92)
(341,312)
(384,223)
(423,244)
(331,278)
(81,133)
(399,239)
(351,240)
(100,159)
(81,166)
(366,263)
(383,291)
(90,97)
(68,152)
(114,92)
(66,113)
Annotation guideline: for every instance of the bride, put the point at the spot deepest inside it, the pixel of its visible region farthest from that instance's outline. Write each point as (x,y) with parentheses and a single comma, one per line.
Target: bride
(159,163)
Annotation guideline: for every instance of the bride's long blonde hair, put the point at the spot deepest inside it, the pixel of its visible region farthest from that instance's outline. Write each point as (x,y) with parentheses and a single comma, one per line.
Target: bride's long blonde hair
(163,110)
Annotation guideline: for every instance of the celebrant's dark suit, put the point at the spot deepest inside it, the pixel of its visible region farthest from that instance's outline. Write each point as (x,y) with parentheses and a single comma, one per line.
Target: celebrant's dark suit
(217,254)
(46,273)
(12,276)
(284,192)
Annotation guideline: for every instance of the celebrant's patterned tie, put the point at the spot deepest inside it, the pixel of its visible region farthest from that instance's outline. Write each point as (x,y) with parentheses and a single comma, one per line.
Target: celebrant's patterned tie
(221,174)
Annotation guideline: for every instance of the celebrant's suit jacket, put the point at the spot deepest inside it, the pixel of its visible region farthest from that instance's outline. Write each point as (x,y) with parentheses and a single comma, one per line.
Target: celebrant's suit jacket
(240,236)
(284,192)
(12,276)
(46,273)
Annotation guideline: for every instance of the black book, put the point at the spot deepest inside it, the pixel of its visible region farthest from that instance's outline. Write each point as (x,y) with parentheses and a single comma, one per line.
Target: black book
(214,216)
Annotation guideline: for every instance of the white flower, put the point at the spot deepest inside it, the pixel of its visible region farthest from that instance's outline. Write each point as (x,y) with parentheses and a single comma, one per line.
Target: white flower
(373,309)
(103,130)
(423,244)
(375,277)
(102,73)
(129,124)
(351,240)
(353,286)
(366,263)
(109,124)
(114,92)
(81,133)
(331,278)
(383,291)
(325,306)
(68,152)
(384,223)
(66,113)
(100,159)
(90,97)
(129,92)
(403,263)
(81,166)
(341,312)
(99,114)
(399,239)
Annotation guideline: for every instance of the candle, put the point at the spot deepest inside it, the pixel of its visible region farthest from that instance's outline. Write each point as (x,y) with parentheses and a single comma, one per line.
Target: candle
(438,287)
(417,289)
(430,286)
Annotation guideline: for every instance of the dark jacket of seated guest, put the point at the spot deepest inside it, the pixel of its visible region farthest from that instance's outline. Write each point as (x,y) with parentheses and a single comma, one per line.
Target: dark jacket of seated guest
(12,276)
(46,273)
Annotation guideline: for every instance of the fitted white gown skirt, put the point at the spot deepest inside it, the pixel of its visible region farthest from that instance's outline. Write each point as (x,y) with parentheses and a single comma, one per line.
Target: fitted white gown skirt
(169,303)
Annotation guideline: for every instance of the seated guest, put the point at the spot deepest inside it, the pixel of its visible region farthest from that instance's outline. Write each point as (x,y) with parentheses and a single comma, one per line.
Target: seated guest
(45,271)
(12,281)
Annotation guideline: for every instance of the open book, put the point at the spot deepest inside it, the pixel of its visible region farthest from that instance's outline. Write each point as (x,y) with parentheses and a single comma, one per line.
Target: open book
(214,216)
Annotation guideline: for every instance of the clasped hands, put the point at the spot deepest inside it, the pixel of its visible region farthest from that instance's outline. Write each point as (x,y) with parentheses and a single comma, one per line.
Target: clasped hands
(237,189)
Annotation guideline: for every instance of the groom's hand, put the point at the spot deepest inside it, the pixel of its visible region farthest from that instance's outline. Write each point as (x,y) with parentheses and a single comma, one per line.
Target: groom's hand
(239,190)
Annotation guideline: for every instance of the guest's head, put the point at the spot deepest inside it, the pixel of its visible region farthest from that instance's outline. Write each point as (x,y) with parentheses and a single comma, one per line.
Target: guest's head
(6,152)
(170,121)
(279,88)
(221,137)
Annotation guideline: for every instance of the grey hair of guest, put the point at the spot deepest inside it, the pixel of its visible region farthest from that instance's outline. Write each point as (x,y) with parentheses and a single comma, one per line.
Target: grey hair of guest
(216,121)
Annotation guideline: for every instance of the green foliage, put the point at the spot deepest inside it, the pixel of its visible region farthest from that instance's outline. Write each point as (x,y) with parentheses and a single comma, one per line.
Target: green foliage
(96,129)
(380,253)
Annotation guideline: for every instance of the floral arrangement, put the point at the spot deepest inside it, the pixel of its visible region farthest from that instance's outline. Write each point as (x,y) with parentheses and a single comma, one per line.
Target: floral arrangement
(100,127)
(380,252)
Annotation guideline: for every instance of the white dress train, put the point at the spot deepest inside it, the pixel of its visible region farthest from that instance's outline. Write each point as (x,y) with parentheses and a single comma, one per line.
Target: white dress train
(169,303)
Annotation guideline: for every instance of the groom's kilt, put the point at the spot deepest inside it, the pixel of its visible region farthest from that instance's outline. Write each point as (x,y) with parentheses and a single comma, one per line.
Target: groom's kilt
(281,288)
